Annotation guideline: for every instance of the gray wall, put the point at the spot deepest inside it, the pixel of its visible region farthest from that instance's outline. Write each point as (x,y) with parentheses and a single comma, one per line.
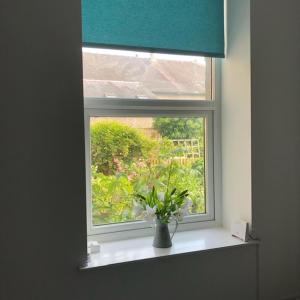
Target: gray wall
(42,207)
(276,144)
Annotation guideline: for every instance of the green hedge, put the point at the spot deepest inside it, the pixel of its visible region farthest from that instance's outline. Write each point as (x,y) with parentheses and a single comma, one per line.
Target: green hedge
(114,144)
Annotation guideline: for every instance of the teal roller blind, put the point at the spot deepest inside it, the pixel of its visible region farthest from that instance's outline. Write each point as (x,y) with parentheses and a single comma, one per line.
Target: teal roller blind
(171,26)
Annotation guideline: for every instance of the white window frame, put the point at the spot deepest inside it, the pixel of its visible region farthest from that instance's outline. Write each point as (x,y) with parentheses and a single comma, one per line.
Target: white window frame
(210,109)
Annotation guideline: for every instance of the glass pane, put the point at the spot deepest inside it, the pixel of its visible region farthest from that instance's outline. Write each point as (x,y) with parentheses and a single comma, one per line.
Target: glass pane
(130,155)
(141,75)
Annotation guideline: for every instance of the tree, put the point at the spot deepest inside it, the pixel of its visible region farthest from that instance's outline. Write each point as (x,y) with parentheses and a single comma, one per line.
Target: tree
(179,128)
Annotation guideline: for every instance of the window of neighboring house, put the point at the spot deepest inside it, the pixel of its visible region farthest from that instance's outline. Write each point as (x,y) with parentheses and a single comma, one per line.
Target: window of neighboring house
(146,116)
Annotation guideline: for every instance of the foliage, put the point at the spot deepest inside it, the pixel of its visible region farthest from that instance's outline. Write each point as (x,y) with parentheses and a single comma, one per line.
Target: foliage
(183,177)
(166,205)
(114,144)
(179,128)
(135,166)
(112,198)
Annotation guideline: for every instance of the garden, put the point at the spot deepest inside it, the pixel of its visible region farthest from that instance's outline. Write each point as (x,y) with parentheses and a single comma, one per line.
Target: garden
(126,161)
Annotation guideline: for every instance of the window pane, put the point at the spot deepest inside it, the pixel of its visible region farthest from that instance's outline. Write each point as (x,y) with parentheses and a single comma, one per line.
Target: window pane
(130,155)
(141,75)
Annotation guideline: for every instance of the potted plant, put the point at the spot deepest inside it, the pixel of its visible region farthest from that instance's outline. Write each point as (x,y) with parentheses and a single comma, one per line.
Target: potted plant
(162,208)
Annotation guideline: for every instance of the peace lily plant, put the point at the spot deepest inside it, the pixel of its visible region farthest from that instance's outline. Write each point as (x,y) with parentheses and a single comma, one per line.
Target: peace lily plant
(163,207)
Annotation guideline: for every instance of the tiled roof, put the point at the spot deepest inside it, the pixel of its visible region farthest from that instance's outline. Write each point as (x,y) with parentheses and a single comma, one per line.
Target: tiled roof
(134,77)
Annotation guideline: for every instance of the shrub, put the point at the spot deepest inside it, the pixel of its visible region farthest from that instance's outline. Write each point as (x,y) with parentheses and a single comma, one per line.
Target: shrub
(112,198)
(114,145)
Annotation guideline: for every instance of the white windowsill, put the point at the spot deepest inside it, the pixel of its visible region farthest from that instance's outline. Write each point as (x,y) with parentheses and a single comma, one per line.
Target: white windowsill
(126,251)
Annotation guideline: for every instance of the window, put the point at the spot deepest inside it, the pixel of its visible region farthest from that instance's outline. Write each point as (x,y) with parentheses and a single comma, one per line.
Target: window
(146,114)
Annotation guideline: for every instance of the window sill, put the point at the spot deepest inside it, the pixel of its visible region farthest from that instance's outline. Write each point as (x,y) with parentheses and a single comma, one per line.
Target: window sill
(139,249)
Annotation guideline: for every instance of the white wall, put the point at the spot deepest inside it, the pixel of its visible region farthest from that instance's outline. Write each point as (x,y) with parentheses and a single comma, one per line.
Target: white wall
(236,115)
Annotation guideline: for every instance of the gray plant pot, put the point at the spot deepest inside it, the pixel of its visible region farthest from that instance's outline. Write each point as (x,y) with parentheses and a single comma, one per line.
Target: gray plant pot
(162,237)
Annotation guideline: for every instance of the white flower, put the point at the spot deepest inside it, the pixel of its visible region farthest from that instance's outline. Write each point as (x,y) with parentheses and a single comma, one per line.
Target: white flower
(173,217)
(179,215)
(183,210)
(187,204)
(137,209)
(161,196)
(150,213)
